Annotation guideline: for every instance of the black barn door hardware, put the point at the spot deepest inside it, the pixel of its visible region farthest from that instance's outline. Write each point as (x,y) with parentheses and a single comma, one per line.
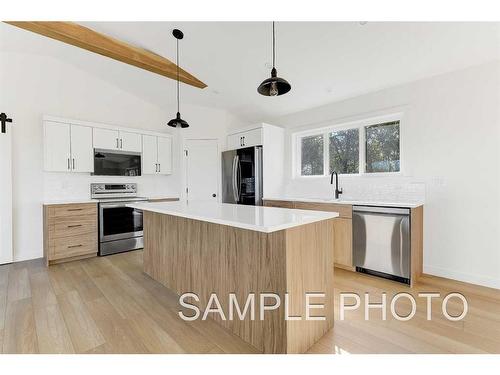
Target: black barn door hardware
(4,119)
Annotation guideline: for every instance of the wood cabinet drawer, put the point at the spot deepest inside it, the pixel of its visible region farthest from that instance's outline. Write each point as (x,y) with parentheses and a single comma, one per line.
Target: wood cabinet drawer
(282,204)
(76,227)
(73,246)
(74,210)
(344,210)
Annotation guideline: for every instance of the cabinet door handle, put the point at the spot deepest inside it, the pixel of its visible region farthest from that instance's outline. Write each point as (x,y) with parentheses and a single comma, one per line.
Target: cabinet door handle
(159,167)
(117,144)
(156,167)
(121,143)
(75,209)
(73,163)
(243,141)
(72,246)
(74,226)
(69,166)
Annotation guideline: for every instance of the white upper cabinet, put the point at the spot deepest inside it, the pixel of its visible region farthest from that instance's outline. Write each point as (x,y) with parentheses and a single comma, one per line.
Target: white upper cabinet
(67,148)
(164,155)
(56,147)
(248,138)
(149,154)
(82,155)
(106,139)
(156,155)
(109,139)
(130,142)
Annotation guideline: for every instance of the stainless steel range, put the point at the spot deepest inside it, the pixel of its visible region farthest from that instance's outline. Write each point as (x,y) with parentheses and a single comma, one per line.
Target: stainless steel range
(120,227)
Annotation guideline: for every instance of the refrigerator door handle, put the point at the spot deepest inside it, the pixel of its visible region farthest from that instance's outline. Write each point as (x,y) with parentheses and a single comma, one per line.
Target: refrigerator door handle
(238,175)
(235,194)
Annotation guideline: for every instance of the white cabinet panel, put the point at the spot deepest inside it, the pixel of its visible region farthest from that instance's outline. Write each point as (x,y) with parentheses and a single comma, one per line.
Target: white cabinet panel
(252,138)
(164,155)
(106,139)
(82,153)
(245,139)
(56,147)
(234,141)
(149,154)
(130,141)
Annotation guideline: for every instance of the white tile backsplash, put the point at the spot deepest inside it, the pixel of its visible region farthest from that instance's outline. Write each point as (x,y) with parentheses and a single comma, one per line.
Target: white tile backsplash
(59,186)
(363,188)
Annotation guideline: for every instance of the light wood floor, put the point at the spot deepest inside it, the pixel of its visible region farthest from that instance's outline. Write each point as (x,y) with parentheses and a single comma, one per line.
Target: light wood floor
(107,305)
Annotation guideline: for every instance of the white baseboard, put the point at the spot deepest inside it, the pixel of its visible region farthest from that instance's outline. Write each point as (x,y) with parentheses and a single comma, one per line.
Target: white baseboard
(489,282)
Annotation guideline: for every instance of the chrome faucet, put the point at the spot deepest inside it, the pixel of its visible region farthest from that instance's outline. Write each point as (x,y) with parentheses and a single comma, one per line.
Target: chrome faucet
(337,191)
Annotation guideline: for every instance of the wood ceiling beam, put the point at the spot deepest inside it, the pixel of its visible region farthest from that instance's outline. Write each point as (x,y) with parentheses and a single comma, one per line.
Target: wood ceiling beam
(90,40)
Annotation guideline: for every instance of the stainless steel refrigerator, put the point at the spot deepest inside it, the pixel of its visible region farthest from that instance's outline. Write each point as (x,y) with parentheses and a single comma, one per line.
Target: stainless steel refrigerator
(242,176)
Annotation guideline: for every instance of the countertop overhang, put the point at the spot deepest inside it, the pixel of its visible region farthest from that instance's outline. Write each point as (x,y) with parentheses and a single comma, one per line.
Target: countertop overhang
(256,218)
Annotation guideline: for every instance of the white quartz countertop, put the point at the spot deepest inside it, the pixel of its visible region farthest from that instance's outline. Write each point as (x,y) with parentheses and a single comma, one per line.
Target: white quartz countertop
(90,200)
(69,201)
(257,218)
(380,203)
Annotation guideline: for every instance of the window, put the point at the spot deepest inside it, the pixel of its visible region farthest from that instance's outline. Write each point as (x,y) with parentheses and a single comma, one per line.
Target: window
(361,147)
(312,155)
(382,147)
(344,151)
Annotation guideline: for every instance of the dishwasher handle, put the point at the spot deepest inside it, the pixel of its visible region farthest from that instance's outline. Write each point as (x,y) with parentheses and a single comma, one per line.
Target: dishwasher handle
(382,210)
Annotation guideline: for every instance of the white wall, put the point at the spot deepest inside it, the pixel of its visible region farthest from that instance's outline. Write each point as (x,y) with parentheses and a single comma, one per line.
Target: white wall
(33,86)
(451,142)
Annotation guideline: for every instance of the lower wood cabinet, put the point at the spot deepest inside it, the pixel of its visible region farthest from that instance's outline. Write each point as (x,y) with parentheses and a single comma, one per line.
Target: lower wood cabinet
(342,239)
(70,231)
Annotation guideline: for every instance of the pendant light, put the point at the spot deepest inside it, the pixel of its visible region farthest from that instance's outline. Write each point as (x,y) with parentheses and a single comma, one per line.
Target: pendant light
(178,122)
(275,85)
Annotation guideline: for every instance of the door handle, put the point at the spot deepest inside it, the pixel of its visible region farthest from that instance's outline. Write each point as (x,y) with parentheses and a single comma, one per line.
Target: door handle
(73,163)
(235,194)
(243,141)
(117,144)
(69,165)
(121,143)
(156,167)
(159,167)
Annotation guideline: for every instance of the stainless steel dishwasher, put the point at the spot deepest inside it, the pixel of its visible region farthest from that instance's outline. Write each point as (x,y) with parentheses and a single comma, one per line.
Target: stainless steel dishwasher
(381,241)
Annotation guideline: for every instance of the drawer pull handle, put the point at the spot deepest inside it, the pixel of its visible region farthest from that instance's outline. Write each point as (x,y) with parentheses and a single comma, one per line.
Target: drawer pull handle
(74,226)
(70,247)
(75,209)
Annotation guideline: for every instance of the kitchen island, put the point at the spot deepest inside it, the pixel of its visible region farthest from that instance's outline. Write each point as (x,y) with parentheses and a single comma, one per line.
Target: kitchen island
(205,248)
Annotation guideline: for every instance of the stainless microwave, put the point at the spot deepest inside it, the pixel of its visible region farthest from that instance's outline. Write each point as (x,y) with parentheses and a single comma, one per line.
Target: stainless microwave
(116,163)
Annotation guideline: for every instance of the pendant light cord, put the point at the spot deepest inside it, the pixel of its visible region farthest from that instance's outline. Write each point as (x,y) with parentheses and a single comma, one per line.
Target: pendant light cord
(178,75)
(274,47)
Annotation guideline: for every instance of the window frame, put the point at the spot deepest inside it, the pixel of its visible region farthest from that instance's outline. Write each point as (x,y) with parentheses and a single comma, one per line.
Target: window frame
(356,124)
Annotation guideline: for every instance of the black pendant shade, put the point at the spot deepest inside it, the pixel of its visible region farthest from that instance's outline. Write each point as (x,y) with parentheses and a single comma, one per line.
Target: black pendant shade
(275,85)
(178,122)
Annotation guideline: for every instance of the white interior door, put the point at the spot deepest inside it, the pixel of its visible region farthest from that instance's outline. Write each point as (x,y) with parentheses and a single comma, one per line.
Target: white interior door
(6,195)
(202,169)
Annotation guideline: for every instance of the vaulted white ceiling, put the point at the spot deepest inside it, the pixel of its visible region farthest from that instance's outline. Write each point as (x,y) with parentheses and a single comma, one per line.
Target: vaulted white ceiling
(323,61)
